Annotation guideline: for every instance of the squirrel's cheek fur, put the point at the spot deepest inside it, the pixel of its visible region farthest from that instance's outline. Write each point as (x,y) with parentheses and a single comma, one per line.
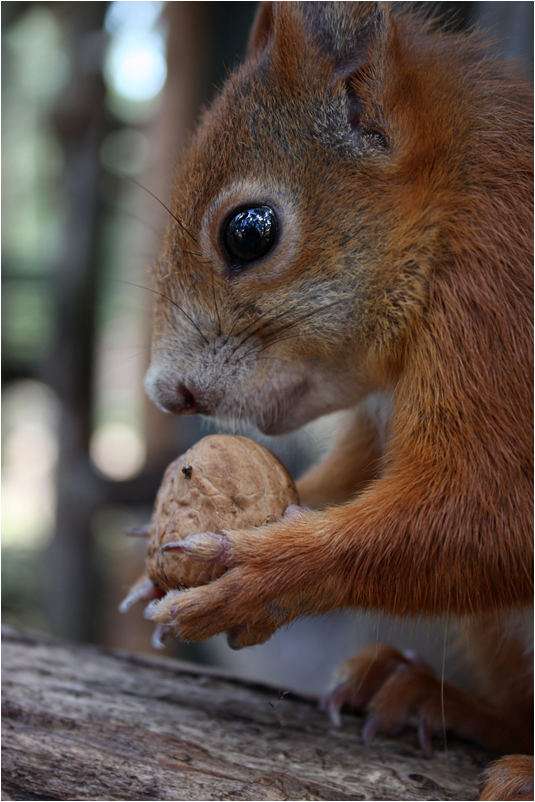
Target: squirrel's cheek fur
(394,163)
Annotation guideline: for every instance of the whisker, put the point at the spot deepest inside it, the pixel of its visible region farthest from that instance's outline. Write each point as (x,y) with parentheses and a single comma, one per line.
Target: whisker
(305,317)
(239,333)
(260,328)
(174,303)
(156,198)
(252,322)
(143,352)
(216,306)
(274,337)
(117,209)
(204,261)
(248,325)
(231,330)
(281,340)
(197,256)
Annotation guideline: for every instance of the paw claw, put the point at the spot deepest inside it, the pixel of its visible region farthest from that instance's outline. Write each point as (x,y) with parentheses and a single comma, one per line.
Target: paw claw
(416,660)
(138,531)
(424,737)
(205,547)
(395,689)
(334,712)
(370,729)
(144,592)
(331,703)
(159,636)
(232,640)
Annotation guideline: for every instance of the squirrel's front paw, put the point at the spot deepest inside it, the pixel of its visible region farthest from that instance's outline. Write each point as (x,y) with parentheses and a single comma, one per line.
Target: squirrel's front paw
(241,602)
(226,604)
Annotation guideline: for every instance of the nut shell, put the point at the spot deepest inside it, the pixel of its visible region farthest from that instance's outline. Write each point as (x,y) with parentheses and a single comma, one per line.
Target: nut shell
(223,482)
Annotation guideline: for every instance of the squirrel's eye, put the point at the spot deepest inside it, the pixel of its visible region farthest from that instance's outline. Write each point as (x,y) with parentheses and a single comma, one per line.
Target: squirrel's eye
(251,233)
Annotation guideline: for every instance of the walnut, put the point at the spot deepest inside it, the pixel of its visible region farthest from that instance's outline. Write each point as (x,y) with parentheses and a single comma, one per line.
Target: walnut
(223,482)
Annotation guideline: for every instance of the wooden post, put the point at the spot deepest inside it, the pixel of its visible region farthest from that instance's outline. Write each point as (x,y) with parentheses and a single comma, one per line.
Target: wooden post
(83,723)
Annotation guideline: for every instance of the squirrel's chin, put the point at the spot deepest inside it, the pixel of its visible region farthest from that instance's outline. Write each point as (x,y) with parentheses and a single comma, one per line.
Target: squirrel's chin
(283,408)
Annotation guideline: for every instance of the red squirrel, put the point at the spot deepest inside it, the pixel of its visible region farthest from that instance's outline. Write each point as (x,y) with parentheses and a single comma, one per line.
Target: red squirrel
(352,230)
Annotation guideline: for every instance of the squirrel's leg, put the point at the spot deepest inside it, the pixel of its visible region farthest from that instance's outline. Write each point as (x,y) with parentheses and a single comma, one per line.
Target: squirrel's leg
(397,690)
(500,653)
(355,458)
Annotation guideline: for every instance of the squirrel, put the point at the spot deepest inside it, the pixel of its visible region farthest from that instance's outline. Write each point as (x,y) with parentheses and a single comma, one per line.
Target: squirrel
(352,230)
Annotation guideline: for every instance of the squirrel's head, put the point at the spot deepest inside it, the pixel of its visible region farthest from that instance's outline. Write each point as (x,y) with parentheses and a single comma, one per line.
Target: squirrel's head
(296,257)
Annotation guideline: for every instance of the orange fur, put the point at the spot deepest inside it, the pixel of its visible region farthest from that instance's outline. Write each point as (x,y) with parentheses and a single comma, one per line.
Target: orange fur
(398,159)
(509,778)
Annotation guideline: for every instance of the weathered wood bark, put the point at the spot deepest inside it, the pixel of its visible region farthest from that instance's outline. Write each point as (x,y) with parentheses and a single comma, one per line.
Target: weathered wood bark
(83,723)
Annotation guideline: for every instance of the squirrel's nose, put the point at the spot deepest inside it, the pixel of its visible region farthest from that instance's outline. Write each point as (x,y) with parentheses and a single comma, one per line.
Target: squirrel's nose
(185,402)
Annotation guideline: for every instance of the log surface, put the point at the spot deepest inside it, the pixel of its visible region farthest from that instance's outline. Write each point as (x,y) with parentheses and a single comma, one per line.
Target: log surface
(82,723)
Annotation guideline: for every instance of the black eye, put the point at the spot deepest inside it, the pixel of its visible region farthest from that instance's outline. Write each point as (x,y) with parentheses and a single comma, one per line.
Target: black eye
(251,233)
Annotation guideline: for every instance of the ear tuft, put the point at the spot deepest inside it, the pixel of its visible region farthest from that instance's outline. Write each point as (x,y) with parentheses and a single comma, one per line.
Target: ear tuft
(345,31)
(262,29)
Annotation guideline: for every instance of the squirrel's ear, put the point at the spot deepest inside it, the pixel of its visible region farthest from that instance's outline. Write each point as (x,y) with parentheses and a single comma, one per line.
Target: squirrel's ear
(342,32)
(346,31)
(334,41)
(262,28)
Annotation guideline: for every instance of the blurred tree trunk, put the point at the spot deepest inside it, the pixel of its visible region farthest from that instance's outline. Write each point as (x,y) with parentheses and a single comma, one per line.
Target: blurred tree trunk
(81,125)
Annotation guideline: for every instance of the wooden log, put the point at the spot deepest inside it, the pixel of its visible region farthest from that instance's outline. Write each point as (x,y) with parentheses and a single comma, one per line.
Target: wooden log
(83,723)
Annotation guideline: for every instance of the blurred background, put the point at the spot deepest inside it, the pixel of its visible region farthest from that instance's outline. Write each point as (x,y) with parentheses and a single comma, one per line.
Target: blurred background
(98,100)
